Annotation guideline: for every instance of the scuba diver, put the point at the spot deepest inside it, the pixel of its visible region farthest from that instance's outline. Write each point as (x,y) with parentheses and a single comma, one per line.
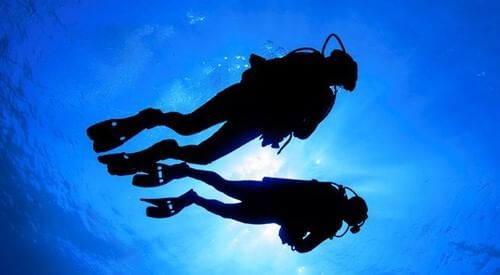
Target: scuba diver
(276,98)
(309,212)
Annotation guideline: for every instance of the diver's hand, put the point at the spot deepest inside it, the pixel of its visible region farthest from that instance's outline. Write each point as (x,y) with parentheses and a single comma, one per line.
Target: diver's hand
(304,129)
(272,139)
(275,136)
(291,235)
(295,237)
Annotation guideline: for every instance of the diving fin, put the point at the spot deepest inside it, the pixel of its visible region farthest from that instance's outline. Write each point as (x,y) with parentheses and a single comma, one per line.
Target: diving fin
(112,133)
(168,207)
(159,174)
(119,164)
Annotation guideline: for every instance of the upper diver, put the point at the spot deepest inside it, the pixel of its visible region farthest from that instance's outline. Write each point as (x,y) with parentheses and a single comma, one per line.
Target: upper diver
(276,98)
(308,212)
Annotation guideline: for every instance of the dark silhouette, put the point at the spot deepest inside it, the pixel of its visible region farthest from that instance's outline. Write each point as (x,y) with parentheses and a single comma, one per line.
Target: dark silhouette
(308,212)
(275,98)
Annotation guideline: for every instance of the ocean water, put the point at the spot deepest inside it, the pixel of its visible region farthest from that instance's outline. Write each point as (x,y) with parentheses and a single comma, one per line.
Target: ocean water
(418,139)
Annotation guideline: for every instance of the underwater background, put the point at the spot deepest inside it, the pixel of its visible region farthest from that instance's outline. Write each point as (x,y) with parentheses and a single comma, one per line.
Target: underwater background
(418,139)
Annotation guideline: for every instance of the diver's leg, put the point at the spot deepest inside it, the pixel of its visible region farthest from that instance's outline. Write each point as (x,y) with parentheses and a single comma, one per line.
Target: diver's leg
(243,190)
(160,174)
(246,213)
(229,137)
(218,109)
(112,133)
(237,211)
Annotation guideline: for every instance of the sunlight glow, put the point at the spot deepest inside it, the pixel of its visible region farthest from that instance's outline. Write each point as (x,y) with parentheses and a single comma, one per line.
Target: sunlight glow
(269,231)
(258,165)
(254,166)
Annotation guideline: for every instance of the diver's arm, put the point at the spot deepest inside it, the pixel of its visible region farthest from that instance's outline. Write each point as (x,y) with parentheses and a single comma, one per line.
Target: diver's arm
(310,242)
(309,124)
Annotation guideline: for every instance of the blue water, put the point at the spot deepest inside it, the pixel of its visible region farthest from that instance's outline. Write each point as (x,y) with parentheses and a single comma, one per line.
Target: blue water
(419,138)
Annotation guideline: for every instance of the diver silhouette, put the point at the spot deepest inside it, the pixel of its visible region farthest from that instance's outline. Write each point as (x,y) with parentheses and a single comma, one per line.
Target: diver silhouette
(309,212)
(276,98)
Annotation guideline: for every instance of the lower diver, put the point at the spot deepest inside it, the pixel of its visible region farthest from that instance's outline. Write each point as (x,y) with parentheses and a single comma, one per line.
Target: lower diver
(308,212)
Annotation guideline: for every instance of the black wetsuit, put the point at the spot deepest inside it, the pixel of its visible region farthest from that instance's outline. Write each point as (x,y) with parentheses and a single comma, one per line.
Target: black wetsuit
(275,98)
(308,212)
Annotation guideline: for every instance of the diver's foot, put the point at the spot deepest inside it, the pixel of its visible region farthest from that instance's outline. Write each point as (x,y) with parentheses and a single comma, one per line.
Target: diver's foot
(160,174)
(168,207)
(112,133)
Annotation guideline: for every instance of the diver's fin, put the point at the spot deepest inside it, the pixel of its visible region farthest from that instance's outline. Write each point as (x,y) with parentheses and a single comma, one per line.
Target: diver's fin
(119,164)
(156,202)
(112,133)
(167,207)
(159,174)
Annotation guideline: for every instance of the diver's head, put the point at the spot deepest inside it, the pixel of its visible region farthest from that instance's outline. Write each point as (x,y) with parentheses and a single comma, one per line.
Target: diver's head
(356,212)
(342,70)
